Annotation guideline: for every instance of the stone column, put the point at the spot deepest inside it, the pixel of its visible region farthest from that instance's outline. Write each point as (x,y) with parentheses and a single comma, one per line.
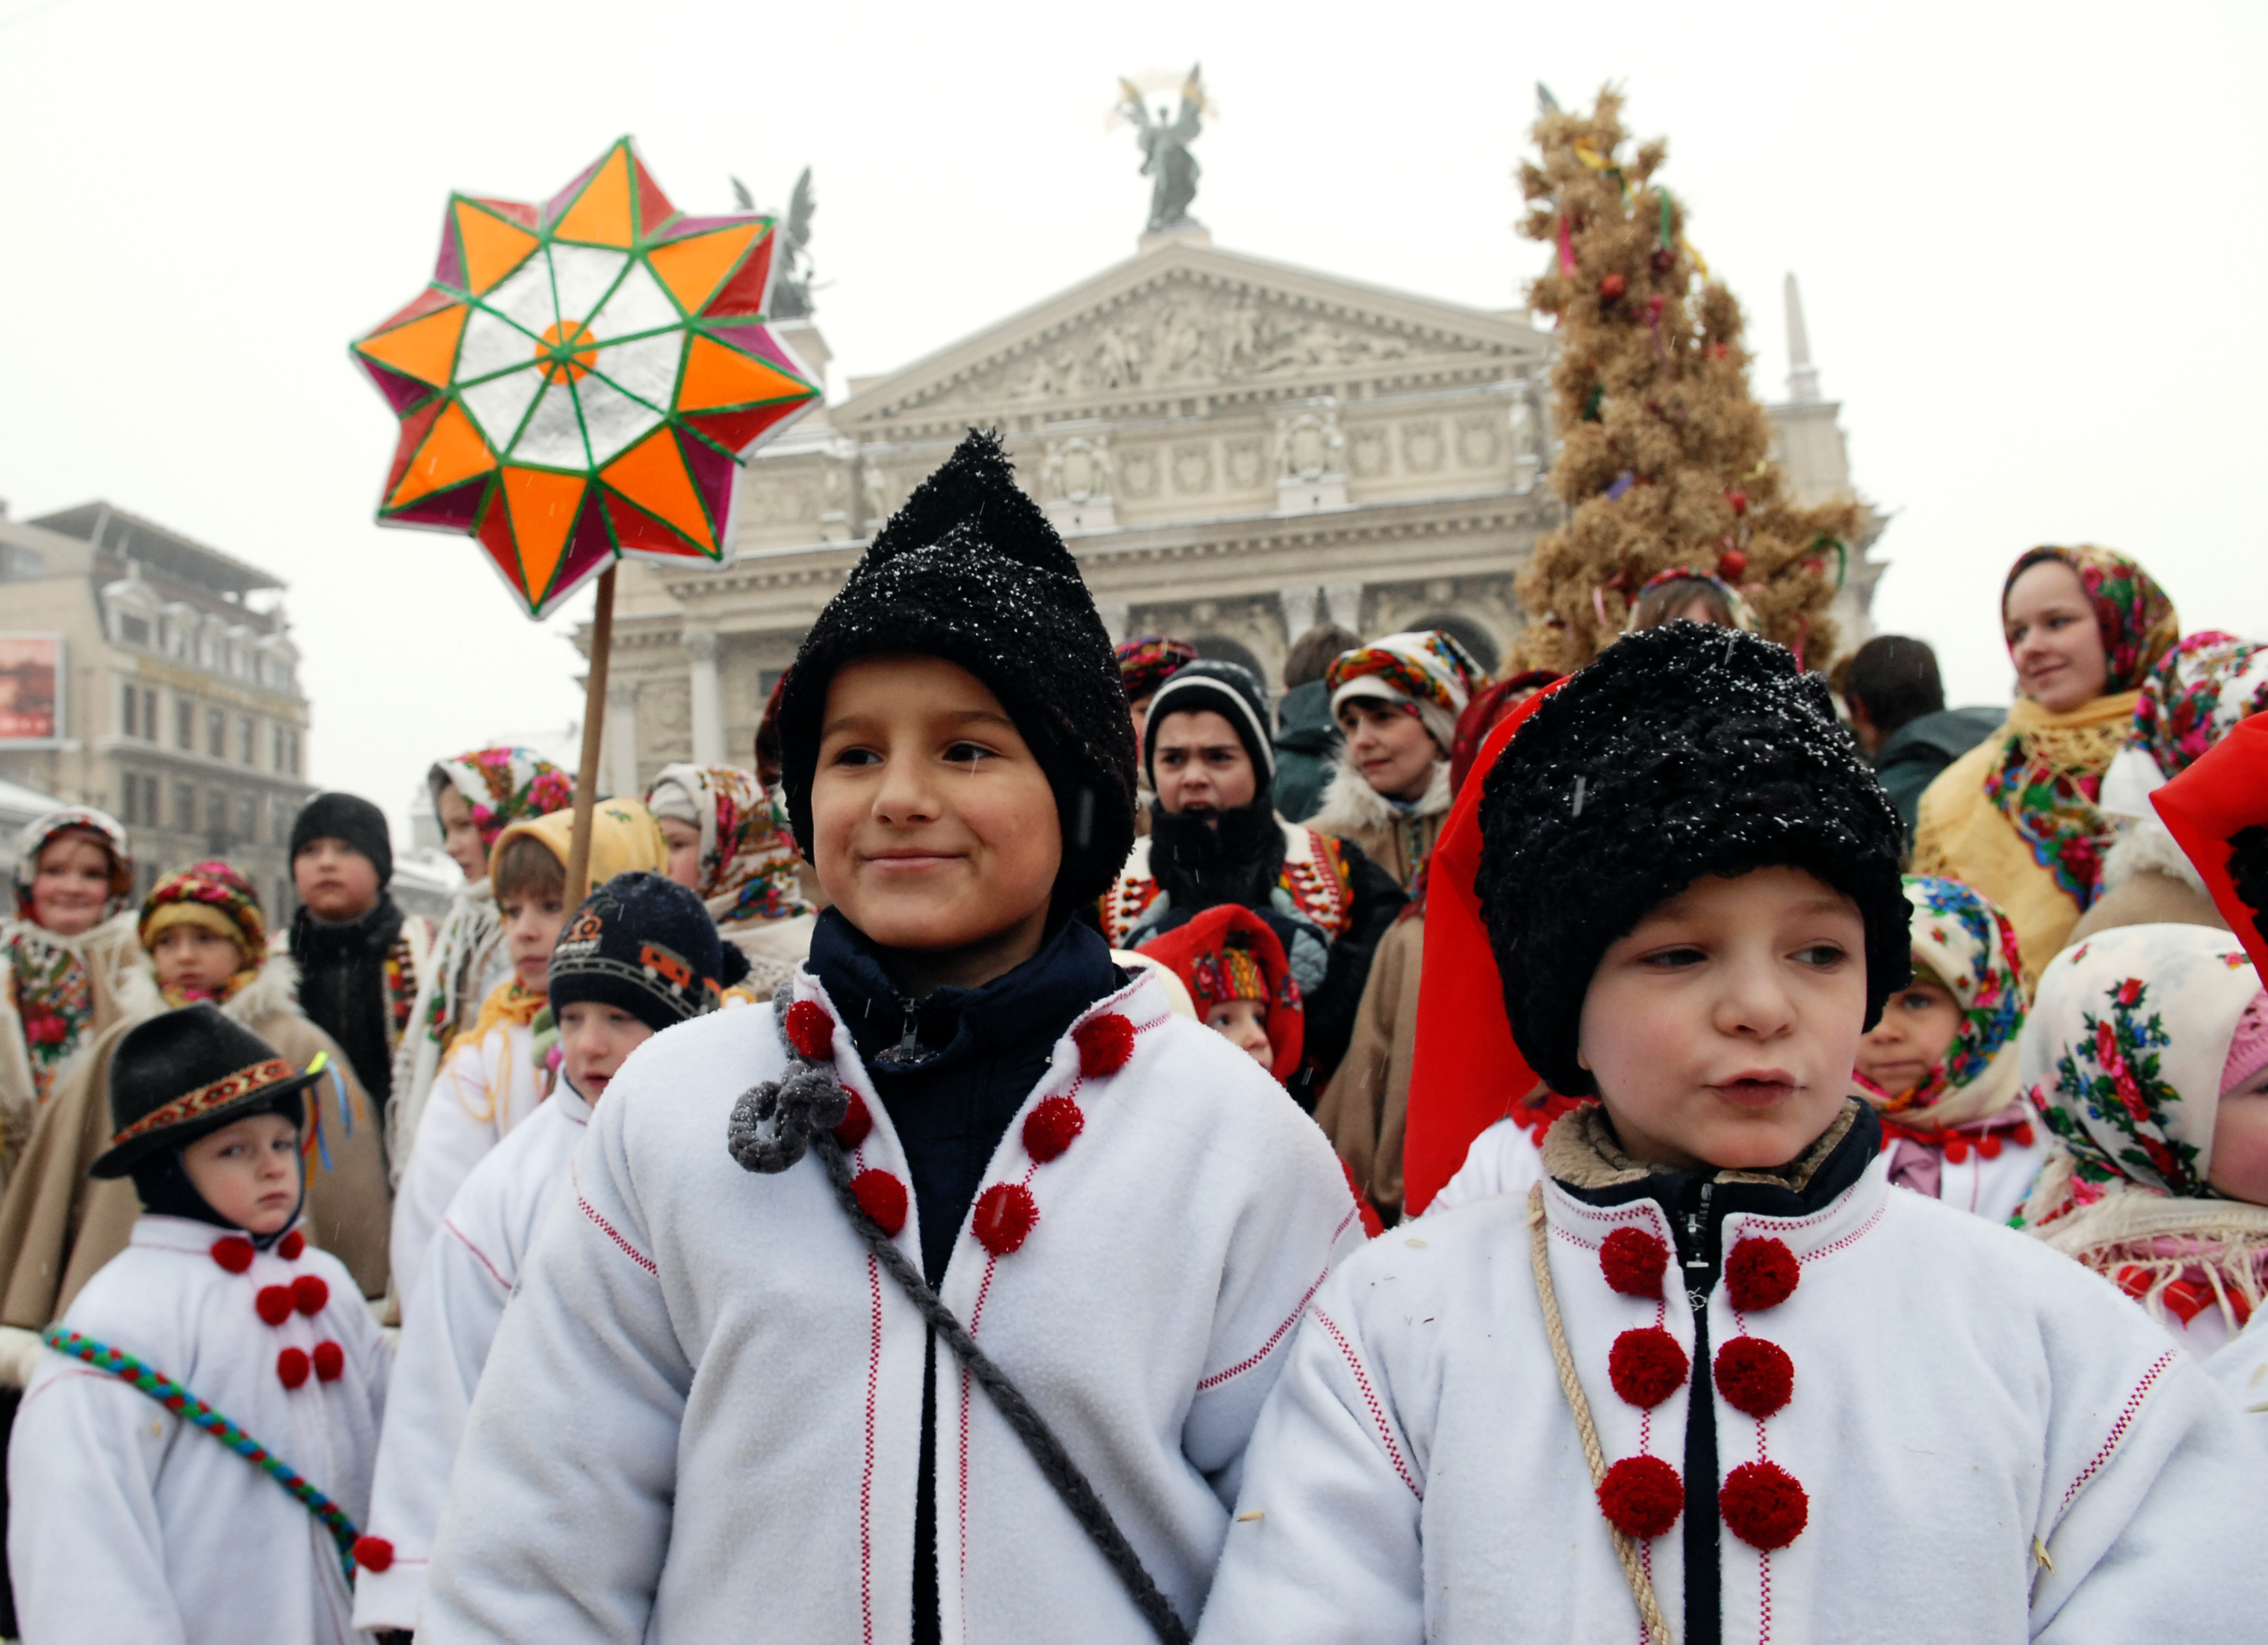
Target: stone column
(1115,615)
(1345,602)
(622,738)
(708,700)
(1299,603)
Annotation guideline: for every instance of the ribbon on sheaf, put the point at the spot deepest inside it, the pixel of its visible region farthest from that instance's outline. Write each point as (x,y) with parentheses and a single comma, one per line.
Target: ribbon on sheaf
(1567,247)
(316,1143)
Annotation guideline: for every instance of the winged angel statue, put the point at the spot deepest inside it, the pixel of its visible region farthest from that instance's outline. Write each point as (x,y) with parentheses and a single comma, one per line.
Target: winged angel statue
(792,286)
(1166,157)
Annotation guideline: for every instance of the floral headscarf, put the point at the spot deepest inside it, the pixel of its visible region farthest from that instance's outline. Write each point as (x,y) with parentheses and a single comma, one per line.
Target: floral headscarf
(2124,1057)
(502,787)
(748,856)
(1964,943)
(215,896)
(2195,697)
(1148,661)
(36,835)
(2136,616)
(1426,671)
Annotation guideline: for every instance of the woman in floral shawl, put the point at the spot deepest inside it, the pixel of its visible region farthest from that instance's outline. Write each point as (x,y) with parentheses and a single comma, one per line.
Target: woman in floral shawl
(475,796)
(2141,1041)
(1941,1064)
(65,951)
(729,844)
(2017,816)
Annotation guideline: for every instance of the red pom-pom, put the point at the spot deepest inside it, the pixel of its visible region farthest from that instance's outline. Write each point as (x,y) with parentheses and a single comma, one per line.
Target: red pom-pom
(1956,1150)
(1005,1215)
(274,1303)
(1634,1260)
(309,1294)
(1732,565)
(811,1030)
(1755,1376)
(330,1361)
(1611,287)
(1761,1273)
(291,1245)
(372,1554)
(1764,1505)
(1739,499)
(882,1196)
(857,1124)
(233,1254)
(1647,1366)
(292,1366)
(1664,258)
(1642,1497)
(1104,1042)
(2023,1134)
(1051,1127)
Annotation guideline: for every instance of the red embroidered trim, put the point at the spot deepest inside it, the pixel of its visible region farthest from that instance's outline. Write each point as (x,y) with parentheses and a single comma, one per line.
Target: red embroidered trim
(1370,1398)
(479,1256)
(621,1244)
(2117,1429)
(205,1099)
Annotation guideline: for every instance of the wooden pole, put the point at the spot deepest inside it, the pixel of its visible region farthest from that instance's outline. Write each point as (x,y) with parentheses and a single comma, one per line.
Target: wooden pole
(594,722)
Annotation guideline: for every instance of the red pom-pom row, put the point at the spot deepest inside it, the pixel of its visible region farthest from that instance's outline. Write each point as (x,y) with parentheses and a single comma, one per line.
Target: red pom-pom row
(1634,1262)
(309,1294)
(292,1366)
(1105,1045)
(1647,1366)
(1005,1215)
(1764,1505)
(232,1254)
(1051,1127)
(274,1303)
(811,1030)
(1756,1377)
(373,1554)
(291,1245)
(330,1361)
(1642,1497)
(858,1122)
(882,1196)
(1761,1273)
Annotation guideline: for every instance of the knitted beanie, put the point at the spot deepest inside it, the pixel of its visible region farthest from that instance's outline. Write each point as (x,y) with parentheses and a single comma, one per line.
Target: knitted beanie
(645,944)
(1148,661)
(214,894)
(970,570)
(1684,751)
(1226,689)
(348,817)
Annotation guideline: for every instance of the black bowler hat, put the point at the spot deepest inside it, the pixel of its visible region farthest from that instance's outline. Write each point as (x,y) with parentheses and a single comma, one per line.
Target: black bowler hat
(187,1072)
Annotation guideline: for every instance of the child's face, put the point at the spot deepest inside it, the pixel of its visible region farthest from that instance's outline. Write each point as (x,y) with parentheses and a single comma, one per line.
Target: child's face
(1389,746)
(1199,764)
(335,882)
(460,835)
(594,1041)
(1245,1022)
(531,925)
(1723,1031)
(684,841)
(72,885)
(933,827)
(2239,1169)
(1917,1028)
(249,1171)
(193,956)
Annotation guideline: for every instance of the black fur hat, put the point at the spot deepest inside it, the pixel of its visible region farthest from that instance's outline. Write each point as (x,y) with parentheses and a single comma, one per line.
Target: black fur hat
(1683,751)
(970,570)
(184,1074)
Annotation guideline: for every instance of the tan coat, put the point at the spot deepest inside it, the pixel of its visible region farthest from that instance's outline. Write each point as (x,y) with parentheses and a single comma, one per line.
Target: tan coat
(1396,841)
(1365,1107)
(58,1226)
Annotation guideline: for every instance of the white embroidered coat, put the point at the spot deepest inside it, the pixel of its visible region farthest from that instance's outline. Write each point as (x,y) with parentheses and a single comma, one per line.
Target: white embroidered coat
(470,1269)
(702,1419)
(1959,1390)
(486,1087)
(127,1522)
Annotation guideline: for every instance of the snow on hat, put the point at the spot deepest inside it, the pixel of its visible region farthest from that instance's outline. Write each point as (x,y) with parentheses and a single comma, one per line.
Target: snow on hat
(1683,751)
(1428,670)
(1228,688)
(41,831)
(1148,661)
(348,817)
(970,570)
(645,944)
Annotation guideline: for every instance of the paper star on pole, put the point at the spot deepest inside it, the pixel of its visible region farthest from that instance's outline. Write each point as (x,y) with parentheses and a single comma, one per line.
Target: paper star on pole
(581,381)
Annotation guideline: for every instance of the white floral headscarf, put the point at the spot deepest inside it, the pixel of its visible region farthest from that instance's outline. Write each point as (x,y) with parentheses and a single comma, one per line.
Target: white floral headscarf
(33,839)
(1963,941)
(748,856)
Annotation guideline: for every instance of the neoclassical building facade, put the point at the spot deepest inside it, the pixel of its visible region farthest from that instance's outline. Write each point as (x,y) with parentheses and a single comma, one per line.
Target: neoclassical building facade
(1234,449)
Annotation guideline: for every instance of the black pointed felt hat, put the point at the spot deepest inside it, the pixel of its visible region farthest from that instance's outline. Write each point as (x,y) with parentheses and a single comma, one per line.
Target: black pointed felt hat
(970,570)
(187,1072)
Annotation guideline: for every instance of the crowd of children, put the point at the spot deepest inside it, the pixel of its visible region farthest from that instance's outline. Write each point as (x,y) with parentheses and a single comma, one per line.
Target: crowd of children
(1064,1149)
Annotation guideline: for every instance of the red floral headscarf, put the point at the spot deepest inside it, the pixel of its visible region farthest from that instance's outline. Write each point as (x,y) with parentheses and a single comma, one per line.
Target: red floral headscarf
(98,826)
(2136,616)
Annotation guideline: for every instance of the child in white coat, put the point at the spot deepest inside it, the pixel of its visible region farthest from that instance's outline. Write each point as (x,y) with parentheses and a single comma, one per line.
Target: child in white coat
(641,954)
(1673,1391)
(128,1523)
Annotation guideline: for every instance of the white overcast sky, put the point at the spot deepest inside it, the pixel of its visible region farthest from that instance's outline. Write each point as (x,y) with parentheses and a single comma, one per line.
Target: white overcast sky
(2031,240)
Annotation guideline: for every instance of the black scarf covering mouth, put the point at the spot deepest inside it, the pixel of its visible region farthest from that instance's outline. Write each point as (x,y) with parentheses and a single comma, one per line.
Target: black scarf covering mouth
(342,987)
(1200,860)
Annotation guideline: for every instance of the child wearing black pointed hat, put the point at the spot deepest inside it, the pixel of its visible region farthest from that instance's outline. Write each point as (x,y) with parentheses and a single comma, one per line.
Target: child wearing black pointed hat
(219,1315)
(936,1300)
(1672,1391)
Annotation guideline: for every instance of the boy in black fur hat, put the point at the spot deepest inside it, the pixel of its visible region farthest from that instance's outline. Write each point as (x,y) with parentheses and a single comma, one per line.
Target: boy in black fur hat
(1673,1391)
(937,1300)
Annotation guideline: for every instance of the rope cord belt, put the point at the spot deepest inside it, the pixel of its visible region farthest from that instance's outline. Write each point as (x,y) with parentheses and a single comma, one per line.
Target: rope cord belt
(186,1405)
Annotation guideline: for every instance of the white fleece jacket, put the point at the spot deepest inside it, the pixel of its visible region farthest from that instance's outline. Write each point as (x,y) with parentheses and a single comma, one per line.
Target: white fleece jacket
(702,1419)
(486,1088)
